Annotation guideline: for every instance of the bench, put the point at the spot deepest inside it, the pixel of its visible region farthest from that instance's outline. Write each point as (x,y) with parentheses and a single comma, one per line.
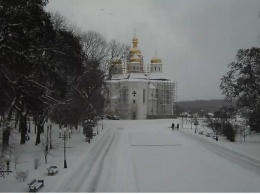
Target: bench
(34,185)
(201,132)
(52,170)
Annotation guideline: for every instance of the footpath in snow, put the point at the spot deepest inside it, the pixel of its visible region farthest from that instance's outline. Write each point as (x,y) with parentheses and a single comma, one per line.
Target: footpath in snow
(140,156)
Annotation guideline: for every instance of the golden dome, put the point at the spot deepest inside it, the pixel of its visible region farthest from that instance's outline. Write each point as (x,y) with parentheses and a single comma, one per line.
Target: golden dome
(135,50)
(156,60)
(135,58)
(116,61)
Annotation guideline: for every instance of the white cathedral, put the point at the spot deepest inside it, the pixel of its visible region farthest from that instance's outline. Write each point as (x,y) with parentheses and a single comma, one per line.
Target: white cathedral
(133,93)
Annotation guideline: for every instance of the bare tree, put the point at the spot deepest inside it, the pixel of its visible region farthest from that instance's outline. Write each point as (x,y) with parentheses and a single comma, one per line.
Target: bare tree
(244,130)
(59,21)
(95,47)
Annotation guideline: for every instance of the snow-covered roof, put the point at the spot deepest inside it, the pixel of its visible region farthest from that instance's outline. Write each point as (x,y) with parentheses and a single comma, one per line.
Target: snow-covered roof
(140,76)
(129,76)
(137,76)
(151,86)
(157,76)
(119,76)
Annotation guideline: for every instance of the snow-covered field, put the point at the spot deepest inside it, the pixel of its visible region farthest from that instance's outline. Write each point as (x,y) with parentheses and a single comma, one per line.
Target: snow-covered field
(141,156)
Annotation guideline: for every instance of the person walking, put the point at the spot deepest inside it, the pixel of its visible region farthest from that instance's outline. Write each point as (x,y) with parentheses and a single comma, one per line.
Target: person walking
(177,126)
(173,126)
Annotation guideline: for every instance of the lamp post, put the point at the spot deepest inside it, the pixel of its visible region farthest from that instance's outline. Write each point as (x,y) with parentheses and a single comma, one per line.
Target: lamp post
(97,128)
(102,122)
(2,167)
(182,120)
(64,137)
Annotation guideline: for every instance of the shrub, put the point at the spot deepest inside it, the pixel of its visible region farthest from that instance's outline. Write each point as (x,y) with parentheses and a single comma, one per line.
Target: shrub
(21,175)
(229,132)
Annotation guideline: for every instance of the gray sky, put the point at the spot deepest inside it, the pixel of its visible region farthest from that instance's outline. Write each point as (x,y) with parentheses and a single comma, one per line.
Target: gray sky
(195,39)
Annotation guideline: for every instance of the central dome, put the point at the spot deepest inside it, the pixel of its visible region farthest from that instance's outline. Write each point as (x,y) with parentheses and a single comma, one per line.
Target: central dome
(135,59)
(135,50)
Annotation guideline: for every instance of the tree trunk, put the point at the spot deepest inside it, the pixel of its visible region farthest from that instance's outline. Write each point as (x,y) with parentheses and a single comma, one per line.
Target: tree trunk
(1,120)
(38,135)
(35,127)
(45,157)
(16,119)
(23,128)
(9,116)
(6,135)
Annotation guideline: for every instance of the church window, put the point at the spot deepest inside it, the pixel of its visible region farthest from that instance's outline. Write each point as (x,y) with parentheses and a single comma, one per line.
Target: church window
(143,95)
(155,69)
(134,68)
(159,68)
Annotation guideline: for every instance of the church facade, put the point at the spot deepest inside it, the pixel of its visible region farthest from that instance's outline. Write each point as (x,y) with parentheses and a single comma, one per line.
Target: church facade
(133,93)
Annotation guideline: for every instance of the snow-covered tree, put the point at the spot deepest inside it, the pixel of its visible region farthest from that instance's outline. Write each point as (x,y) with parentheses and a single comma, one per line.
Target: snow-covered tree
(242,83)
(25,33)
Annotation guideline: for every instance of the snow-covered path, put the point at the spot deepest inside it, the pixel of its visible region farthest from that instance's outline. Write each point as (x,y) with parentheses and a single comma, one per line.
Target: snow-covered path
(171,161)
(147,156)
(233,156)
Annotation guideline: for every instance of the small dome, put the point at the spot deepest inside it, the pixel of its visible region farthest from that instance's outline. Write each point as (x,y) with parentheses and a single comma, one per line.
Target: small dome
(156,60)
(135,58)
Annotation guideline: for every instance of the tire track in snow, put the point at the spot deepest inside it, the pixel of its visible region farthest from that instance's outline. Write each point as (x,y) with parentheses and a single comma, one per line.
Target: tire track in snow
(99,163)
(134,167)
(81,170)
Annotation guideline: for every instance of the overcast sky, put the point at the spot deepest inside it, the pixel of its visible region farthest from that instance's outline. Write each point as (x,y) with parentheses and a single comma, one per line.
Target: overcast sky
(195,39)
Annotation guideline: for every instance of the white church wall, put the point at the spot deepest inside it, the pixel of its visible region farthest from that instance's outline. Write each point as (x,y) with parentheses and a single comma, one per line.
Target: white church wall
(138,104)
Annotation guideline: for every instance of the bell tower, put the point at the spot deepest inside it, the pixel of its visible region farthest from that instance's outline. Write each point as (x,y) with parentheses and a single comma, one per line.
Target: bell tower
(156,64)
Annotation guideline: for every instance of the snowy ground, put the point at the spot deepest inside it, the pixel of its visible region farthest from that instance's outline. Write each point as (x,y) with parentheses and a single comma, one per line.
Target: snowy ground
(142,156)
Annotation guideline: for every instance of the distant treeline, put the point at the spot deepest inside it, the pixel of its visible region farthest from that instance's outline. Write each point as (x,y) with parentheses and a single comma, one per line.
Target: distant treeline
(201,106)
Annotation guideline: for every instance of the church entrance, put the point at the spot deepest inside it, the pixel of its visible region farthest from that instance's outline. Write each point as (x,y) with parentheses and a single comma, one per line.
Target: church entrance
(133,115)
